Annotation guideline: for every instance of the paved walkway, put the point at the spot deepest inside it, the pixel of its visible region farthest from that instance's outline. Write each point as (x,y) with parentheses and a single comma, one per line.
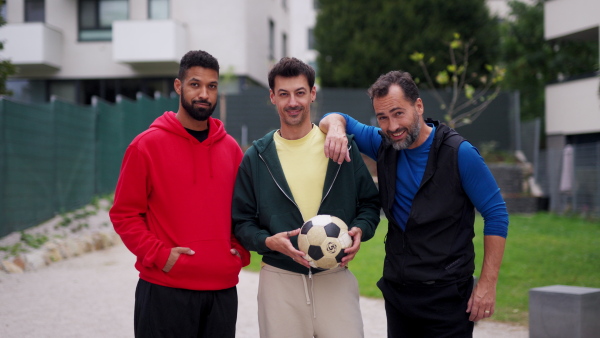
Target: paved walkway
(92,296)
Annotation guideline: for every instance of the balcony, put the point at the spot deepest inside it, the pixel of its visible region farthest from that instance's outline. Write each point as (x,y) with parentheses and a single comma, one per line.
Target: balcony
(33,47)
(573,107)
(572,19)
(146,44)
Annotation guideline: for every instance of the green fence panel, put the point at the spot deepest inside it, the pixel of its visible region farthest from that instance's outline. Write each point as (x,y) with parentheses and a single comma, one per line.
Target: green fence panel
(75,154)
(109,146)
(28,173)
(132,120)
(164,104)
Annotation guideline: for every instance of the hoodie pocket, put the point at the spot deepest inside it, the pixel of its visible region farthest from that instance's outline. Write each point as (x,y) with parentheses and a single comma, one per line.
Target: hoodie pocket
(211,260)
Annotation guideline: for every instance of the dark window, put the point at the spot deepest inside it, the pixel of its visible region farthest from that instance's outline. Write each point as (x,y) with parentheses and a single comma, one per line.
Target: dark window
(311,38)
(34,11)
(96,18)
(271,40)
(158,9)
(284,51)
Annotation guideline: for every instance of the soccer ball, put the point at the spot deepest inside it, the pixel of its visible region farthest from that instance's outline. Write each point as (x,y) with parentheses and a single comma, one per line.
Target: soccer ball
(323,239)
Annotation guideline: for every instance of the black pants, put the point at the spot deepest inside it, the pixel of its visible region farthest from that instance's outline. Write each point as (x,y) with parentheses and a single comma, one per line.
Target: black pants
(168,312)
(427,311)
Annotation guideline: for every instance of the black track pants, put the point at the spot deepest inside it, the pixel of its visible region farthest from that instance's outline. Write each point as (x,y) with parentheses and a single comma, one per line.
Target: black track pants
(168,312)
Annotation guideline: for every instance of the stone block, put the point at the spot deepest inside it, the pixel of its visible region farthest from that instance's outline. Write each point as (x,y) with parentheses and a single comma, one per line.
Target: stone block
(564,311)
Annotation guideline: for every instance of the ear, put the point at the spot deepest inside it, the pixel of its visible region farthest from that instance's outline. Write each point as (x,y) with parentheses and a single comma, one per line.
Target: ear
(177,85)
(313,94)
(419,106)
(272,96)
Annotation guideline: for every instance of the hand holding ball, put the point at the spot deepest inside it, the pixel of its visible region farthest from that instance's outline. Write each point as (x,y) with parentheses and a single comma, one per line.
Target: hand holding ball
(323,239)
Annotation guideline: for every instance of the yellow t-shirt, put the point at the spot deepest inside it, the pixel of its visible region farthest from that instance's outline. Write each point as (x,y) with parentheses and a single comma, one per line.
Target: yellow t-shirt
(304,166)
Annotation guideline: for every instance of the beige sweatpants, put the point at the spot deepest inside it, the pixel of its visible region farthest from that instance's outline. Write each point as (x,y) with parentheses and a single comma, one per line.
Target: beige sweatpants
(296,306)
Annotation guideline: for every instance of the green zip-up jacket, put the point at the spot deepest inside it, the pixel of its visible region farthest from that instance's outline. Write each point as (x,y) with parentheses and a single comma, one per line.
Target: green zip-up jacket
(263,204)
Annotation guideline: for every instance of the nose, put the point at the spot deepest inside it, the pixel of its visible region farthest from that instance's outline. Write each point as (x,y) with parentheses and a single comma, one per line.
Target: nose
(394,125)
(293,101)
(203,93)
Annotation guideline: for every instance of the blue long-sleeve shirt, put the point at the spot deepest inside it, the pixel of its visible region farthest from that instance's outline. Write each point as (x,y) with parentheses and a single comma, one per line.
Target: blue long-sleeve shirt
(477,180)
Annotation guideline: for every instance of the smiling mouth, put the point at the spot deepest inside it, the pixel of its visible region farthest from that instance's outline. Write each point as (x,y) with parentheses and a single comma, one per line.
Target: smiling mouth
(397,134)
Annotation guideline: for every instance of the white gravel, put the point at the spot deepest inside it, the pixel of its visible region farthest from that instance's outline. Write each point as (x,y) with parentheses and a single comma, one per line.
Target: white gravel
(93,296)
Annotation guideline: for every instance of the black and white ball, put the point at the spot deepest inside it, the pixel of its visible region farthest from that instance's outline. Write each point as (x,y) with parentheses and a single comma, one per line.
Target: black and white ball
(323,239)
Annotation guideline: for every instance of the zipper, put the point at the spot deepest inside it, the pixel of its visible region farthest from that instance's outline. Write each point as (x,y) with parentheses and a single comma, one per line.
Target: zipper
(332,182)
(276,183)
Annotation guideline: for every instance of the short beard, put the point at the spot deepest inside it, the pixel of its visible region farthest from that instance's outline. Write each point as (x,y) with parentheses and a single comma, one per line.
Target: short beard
(412,134)
(199,114)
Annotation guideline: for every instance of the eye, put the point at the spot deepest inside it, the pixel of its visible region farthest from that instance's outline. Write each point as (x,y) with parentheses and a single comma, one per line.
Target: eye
(212,86)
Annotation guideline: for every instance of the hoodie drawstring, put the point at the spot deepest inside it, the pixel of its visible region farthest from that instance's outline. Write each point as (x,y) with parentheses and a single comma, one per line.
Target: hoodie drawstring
(312,291)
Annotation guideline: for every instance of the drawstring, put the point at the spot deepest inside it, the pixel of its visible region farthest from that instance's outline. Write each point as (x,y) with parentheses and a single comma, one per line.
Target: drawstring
(312,291)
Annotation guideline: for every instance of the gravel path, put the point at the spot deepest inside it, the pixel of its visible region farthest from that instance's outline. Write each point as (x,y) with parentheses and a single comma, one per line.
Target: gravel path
(93,295)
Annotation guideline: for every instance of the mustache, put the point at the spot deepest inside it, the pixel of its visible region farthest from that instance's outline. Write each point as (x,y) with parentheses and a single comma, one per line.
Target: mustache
(202,101)
(293,108)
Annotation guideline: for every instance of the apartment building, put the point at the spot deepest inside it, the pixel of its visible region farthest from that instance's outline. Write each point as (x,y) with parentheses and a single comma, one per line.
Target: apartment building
(573,105)
(76,49)
(573,114)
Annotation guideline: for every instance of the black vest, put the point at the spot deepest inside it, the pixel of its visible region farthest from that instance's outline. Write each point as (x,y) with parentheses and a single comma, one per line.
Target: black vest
(437,245)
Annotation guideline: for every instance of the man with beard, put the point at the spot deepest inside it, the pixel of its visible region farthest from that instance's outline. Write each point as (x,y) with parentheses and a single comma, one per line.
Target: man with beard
(283,181)
(430,182)
(172,208)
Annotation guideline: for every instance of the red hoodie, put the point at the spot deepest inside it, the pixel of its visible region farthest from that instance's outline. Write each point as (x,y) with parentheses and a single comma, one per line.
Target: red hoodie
(174,191)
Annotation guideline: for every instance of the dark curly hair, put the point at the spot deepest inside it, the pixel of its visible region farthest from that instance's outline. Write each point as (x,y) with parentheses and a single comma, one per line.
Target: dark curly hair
(397,77)
(197,58)
(291,67)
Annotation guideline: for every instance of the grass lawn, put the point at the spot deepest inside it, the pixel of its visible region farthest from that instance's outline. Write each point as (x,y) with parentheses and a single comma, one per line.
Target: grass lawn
(541,250)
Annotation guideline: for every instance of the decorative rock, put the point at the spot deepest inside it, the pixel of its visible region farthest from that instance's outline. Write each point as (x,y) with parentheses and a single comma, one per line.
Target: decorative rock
(35,260)
(20,262)
(102,240)
(11,267)
(53,252)
(86,243)
(73,246)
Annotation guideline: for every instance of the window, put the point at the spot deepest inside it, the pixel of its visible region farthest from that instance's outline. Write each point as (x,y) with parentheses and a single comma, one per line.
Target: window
(96,18)
(271,40)
(284,43)
(158,9)
(34,11)
(316,4)
(284,5)
(311,38)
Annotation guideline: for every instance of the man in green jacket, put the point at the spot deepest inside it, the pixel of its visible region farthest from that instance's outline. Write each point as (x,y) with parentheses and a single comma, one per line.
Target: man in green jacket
(283,181)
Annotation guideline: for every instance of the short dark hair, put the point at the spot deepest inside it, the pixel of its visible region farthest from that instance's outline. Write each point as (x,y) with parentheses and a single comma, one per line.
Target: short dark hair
(197,58)
(291,67)
(381,87)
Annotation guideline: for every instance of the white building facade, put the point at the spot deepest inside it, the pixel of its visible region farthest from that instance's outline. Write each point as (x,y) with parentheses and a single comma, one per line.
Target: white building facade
(572,106)
(75,49)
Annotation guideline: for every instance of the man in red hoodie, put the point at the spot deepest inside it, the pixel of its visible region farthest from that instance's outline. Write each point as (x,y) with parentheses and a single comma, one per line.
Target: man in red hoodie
(172,209)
